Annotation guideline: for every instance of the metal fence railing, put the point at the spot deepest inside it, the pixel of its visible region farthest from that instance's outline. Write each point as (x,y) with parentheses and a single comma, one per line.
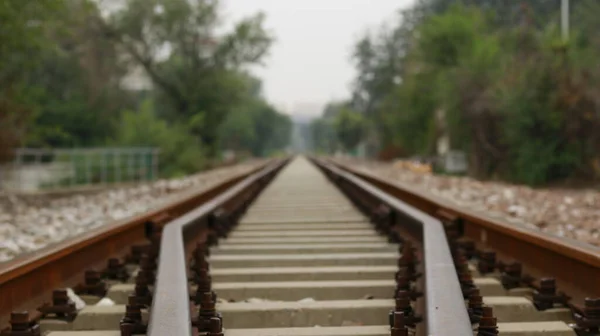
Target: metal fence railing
(35,169)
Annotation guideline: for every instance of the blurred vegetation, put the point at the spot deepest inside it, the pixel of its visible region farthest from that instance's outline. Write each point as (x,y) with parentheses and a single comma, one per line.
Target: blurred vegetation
(495,76)
(64,66)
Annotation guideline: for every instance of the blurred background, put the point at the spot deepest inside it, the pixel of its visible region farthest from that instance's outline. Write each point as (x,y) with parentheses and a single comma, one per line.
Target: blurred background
(117,91)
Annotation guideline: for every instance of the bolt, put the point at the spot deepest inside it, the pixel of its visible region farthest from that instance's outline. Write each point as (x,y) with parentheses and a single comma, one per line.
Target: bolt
(204,281)
(487,262)
(475,308)
(463,269)
(212,239)
(592,308)
(132,322)
(136,253)
(146,276)
(548,286)
(200,261)
(511,276)
(207,305)
(156,238)
(60,297)
(407,261)
(92,284)
(403,305)
(587,318)
(114,263)
(591,313)
(127,329)
(92,278)
(147,270)
(133,312)
(206,311)
(546,297)
(115,270)
(461,262)
(215,327)
(19,321)
(468,246)
(142,292)
(402,283)
(407,273)
(394,237)
(61,304)
(399,327)
(452,233)
(488,324)
(204,285)
(147,264)
(201,250)
(407,252)
(592,302)
(467,285)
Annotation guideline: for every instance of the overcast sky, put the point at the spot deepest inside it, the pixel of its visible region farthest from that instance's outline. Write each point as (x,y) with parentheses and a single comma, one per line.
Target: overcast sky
(309,63)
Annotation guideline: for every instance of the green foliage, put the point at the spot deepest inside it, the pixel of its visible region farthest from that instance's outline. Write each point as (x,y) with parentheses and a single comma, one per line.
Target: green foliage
(534,127)
(255,127)
(201,73)
(445,39)
(21,39)
(323,135)
(409,112)
(496,77)
(21,34)
(63,67)
(180,152)
(350,127)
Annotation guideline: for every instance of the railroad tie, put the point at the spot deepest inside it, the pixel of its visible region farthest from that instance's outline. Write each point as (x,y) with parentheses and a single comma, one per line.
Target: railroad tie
(311,257)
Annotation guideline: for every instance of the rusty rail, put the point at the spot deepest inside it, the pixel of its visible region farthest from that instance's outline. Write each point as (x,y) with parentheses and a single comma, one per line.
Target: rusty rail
(574,265)
(444,305)
(28,281)
(170,312)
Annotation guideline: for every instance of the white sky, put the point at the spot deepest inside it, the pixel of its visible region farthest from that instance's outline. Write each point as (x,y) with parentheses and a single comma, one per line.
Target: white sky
(309,64)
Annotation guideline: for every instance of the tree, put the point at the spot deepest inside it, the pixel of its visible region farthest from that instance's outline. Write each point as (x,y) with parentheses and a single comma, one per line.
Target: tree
(255,127)
(180,152)
(22,24)
(199,77)
(324,137)
(349,126)
(496,77)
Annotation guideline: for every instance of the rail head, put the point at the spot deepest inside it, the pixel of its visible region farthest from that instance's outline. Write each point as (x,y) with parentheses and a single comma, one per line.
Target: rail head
(170,311)
(445,308)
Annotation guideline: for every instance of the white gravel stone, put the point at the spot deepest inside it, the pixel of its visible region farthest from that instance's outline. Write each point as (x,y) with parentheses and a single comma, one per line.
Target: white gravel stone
(572,213)
(106,302)
(29,223)
(79,303)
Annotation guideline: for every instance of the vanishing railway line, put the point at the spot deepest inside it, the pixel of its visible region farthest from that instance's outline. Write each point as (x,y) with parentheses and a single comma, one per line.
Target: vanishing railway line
(307,247)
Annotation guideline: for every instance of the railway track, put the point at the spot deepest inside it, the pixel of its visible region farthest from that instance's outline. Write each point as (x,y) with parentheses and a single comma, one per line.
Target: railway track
(311,247)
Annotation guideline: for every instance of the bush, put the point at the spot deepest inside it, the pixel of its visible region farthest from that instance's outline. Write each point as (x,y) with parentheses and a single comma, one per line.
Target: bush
(180,152)
(514,99)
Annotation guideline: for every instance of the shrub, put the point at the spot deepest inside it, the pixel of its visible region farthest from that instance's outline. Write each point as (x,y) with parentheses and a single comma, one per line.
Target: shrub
(180,152)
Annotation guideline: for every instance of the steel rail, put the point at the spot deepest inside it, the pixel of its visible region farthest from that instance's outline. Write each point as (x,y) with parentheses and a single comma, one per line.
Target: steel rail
(445,311)
(63,264)
(574,265)
(170,310)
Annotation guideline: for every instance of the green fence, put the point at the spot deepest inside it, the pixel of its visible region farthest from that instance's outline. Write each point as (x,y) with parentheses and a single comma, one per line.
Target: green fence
(52,168)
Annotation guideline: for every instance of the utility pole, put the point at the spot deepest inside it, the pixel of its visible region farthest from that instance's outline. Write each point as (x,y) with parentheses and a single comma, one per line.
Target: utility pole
(565,19)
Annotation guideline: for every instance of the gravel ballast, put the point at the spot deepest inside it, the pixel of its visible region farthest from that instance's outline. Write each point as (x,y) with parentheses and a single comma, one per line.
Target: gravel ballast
(572,213)
(29,223)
